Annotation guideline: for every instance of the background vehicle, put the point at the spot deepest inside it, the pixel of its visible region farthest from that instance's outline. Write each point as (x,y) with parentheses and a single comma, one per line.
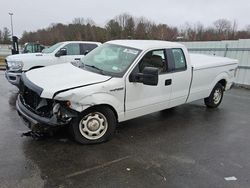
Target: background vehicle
(31,47)
(59,53)
(118,81)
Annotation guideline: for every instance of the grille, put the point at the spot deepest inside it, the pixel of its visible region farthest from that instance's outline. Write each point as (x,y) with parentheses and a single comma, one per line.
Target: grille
(30,99)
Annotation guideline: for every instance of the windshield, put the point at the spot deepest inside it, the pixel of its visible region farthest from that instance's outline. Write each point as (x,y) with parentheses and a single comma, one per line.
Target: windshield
(110,59)
(52,48)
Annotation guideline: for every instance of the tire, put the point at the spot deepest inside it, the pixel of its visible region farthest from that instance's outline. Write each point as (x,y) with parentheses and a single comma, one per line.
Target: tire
(215,97)
(94,125)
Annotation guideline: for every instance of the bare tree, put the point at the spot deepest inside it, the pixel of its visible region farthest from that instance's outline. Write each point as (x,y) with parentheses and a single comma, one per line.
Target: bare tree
(142,28)
(223,28)
(113,29)
(80,21)
(234,29)
(199,31)
(222,25)
(127,25)
(129,29)
(90,22)
(122,19)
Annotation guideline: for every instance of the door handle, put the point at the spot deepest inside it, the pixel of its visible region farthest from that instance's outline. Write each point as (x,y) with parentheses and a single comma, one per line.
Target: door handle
(168,82)
(78,59)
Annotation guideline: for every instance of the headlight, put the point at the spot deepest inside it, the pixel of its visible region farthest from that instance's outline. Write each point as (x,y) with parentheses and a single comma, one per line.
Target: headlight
(15,65)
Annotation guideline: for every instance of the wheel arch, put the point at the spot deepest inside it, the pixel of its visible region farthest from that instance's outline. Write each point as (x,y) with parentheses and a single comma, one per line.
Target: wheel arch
(103,105)
(222,79)
(223,82)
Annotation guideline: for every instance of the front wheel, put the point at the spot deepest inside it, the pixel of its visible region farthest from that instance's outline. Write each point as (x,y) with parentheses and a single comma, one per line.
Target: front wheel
(95,125)
(215,97)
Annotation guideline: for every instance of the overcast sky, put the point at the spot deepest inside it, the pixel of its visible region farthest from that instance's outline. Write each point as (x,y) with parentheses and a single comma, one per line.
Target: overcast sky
(31,15)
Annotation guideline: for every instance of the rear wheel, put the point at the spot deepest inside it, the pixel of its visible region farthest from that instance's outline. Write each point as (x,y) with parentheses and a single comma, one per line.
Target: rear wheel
(95,125)
(215,97)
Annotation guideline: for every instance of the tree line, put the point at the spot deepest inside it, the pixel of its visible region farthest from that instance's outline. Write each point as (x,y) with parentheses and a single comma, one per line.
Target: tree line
(125,26)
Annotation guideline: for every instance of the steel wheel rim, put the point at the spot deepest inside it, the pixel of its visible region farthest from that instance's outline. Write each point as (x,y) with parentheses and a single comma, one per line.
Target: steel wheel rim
(93,126)
(217,96)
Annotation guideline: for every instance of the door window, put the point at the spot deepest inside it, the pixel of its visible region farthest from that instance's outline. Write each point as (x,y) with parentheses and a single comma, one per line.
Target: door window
(87,48)
(179,59)
(154,58)
(73,49)
(28,49)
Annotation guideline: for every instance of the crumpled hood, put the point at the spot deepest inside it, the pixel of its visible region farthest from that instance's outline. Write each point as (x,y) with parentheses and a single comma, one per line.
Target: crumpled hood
(56,78)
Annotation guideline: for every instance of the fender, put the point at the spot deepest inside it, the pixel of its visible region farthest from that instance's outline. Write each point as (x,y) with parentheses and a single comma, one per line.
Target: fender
(109,93)
(80,86)
(101,99)
(82,103)
(221,76)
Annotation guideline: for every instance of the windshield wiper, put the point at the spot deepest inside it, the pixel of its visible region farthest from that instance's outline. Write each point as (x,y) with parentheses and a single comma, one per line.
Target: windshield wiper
(94,67)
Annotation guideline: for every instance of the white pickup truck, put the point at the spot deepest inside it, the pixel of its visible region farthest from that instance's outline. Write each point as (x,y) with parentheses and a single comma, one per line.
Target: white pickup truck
(118,81)
(62,52)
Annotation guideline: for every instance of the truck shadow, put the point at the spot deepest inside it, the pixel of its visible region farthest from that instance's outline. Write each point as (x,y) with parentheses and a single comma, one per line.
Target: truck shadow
(57,155)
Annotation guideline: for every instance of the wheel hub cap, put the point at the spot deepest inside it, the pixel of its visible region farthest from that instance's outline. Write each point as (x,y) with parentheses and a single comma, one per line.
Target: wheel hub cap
(93,126)
(217,96)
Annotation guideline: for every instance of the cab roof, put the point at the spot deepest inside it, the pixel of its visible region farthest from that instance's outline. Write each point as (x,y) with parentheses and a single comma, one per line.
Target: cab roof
(146,44)
(89,42)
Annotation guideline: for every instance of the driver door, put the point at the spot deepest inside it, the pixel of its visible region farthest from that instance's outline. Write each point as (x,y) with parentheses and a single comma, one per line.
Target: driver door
(73,53)
(144,99)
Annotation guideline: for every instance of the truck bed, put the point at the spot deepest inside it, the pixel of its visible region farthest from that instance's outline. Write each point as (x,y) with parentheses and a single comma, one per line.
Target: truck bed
(207,70)
(200,61)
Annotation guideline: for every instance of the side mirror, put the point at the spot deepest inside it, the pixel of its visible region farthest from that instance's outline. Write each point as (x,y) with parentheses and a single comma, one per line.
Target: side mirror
(149,76)
(61,52)
(86,52)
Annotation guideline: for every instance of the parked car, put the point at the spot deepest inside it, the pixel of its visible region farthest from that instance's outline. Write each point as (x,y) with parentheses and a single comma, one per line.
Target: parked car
(59,53)
(118,81)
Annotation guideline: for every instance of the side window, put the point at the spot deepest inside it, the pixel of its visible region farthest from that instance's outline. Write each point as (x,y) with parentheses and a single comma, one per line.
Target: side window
(73,49)
(28,49)
(87,48)
(179,59)
(155,58)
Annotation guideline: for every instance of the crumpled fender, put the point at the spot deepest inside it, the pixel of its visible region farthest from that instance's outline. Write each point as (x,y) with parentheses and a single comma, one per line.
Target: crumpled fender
(109,93)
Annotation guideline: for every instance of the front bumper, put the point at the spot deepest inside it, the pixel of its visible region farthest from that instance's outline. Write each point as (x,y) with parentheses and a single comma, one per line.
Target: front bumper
(34,121)
(13,77)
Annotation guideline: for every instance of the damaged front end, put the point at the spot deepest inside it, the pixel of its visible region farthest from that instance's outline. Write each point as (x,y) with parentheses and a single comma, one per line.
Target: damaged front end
(41,114)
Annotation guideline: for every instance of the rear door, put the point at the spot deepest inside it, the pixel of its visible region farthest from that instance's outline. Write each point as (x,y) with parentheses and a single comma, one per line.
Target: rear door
(143,99)
(181,76)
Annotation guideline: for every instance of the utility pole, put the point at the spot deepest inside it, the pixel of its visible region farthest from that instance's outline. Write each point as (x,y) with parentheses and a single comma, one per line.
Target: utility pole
(11,14)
